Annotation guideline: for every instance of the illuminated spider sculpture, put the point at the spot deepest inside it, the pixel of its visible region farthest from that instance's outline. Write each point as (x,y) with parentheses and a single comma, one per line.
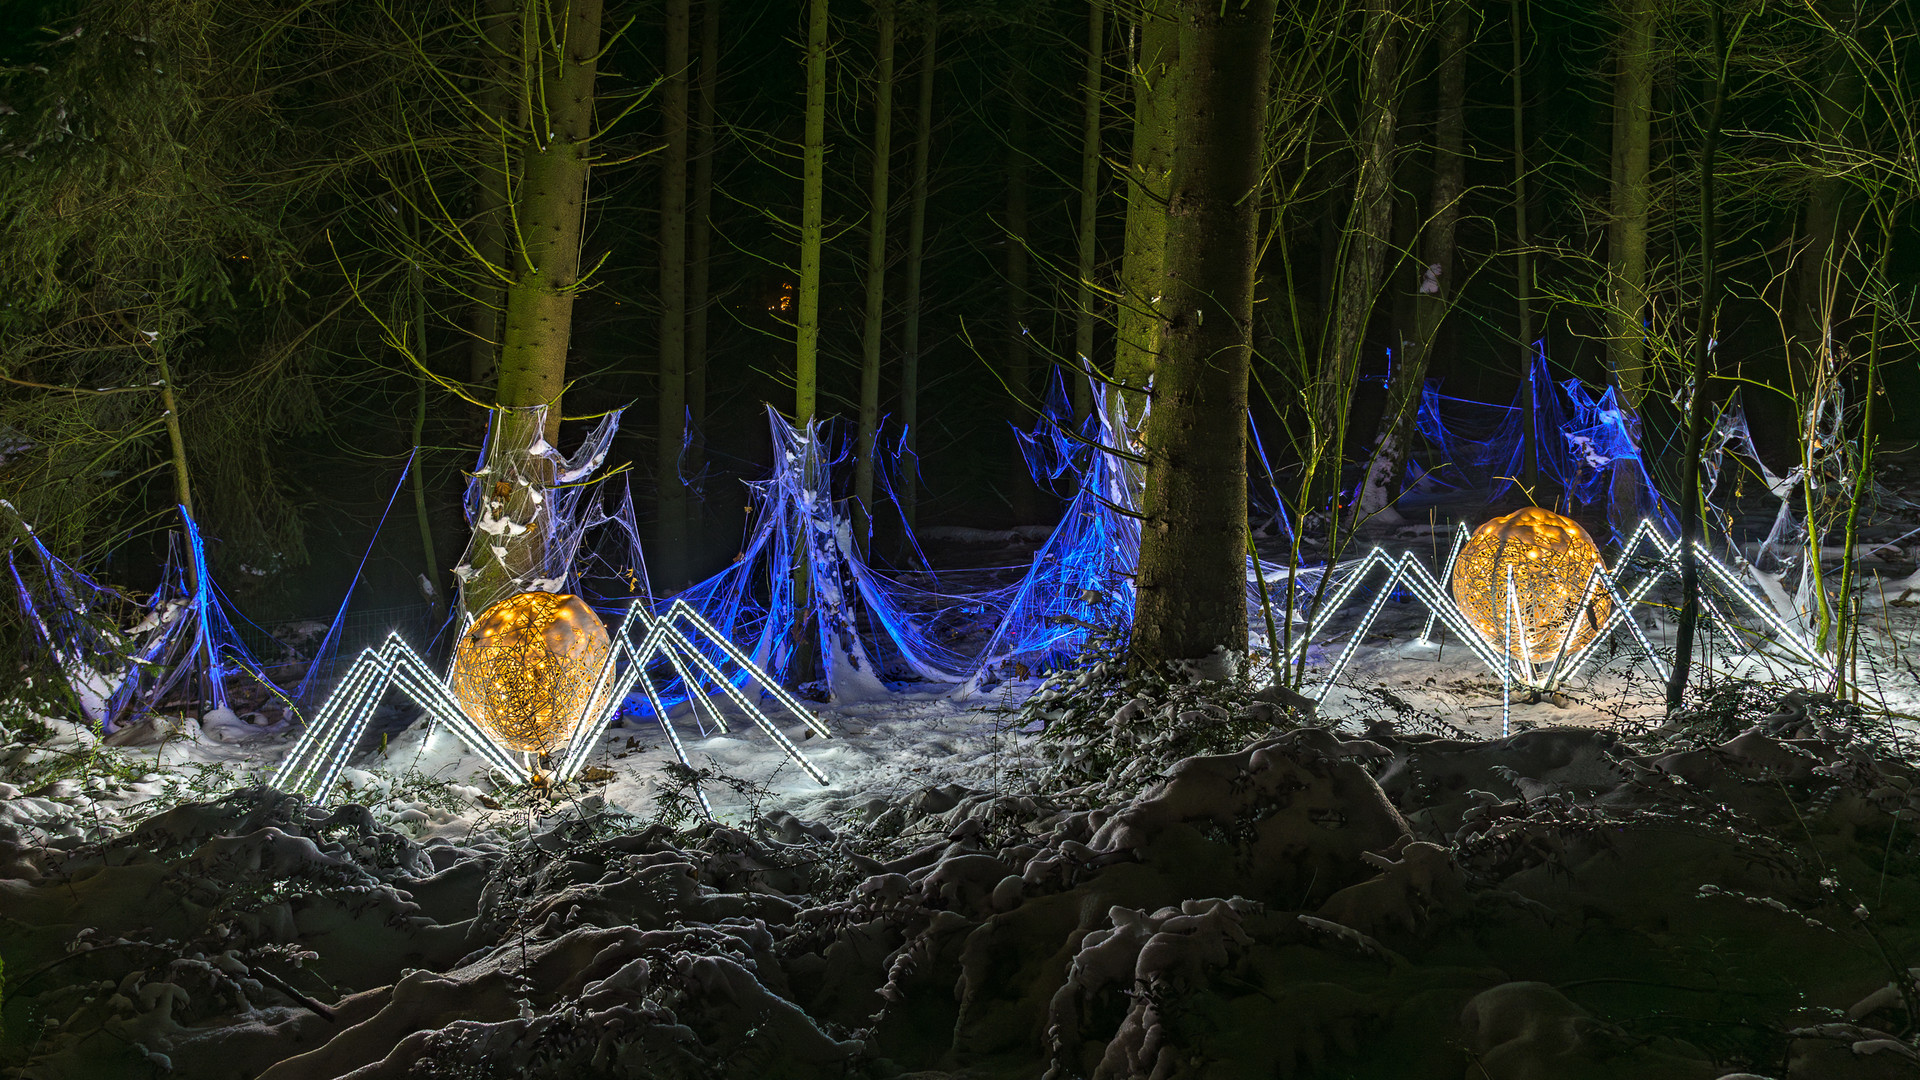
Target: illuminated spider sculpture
(535,681)
(1533,600)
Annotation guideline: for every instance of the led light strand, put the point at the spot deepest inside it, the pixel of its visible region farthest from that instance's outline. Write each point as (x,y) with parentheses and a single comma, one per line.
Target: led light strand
(316,760)
(1459,541)
(1506,645)
(766,724)
(1353,643)
(1566,640)
(679,610)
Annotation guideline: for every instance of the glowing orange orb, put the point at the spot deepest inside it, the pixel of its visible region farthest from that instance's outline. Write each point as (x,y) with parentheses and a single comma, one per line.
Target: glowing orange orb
(526,667)
(1552,559)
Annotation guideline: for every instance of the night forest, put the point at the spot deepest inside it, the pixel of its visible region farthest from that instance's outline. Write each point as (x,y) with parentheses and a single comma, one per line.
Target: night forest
(887,538)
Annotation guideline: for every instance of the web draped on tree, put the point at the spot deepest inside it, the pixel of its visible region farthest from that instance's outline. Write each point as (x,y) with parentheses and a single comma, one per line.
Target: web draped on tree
(533,509)
(1081,578)
(562,527)
(800,573)
(116,677)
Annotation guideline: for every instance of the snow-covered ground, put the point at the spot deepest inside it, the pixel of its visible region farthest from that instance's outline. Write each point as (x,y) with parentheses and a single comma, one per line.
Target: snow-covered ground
(930,735)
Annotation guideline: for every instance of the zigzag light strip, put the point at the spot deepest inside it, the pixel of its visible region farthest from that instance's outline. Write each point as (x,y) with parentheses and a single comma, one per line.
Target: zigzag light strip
(1564,664)
(315,761)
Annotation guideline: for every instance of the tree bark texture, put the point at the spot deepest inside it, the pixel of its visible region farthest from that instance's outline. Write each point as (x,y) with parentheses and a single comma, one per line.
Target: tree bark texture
(1086,249)
(806,359)
(1523,255)
(1690,493)
(1629,205)
(915,257)
(563,47)
(670,523)
(430,567)
(813,173)
(700,255)
(1156,95)
(1433,295)
(1819,322)
(873,322)
(1627,230)
(560,47)
(1192,575)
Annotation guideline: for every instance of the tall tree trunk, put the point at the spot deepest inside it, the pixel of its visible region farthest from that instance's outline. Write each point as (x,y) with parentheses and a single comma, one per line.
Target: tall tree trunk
(1019,370)
(177,447)
(806,363)
(813,189)
(1690,493)
(1817,321)
(560,49)
(1192,598)
(670,536)
(1433,296)
(1627,232)
(1368,231)
(494,99)
(1156,98)
(700,255)
(876,274)
(1089,200)
(916,253)
(1523,257)
(548,218)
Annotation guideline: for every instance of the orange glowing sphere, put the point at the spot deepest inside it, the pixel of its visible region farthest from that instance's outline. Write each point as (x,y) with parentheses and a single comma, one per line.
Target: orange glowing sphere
(527,666)
(1552,559)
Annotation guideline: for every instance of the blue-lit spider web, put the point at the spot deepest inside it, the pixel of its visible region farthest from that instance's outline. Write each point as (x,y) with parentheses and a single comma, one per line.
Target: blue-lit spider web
(1587,444)
(1081,579)
(800,578)
(117,676)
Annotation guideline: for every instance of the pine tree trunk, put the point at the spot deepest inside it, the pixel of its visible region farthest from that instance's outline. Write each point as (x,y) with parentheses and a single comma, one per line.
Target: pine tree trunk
(700,256)
(670,536)
(430,567)
(1523,258)
(916,254)
(549,218)
(1627,231)
(1368,231)
(1156,96)
(806,365)
(870,333)
(813,172)
(177,447)
(561,50)
(1191,585)
(1691,494)
(1089,201)
(1432,297)
(489,234)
